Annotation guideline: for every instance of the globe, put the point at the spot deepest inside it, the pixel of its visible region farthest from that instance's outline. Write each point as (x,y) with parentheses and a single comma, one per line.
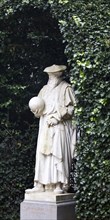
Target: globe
(36,103)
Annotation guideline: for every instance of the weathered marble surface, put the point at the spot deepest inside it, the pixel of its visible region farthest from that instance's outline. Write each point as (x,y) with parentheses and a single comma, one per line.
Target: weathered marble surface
(48,207)
(49,197)
(57,136)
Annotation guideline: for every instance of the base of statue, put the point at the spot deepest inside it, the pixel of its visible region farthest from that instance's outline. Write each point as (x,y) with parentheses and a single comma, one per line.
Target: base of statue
(48,206)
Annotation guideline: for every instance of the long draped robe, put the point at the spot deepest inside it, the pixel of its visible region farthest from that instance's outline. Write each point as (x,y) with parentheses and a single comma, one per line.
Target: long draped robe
(56,144)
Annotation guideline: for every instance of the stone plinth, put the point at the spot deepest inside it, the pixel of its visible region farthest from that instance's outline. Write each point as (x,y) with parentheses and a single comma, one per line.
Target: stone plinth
(47,206)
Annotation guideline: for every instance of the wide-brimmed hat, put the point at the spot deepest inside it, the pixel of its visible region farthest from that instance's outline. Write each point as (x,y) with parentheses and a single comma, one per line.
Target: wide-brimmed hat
(55,68)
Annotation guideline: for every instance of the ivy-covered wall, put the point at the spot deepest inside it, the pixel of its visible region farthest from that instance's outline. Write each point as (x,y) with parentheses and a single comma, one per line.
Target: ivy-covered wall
(30,41)
(25,30)
(85,26)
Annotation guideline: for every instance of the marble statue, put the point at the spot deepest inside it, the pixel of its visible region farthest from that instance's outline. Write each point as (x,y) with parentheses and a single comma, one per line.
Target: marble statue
(56,138)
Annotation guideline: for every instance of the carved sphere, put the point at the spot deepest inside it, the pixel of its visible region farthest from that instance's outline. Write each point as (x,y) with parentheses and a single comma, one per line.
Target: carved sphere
(36,103)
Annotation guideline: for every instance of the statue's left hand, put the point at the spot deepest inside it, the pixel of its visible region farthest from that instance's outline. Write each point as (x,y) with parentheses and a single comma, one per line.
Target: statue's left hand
(52,121)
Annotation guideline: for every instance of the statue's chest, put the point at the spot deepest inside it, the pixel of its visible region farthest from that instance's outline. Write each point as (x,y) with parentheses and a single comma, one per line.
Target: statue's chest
(51,98)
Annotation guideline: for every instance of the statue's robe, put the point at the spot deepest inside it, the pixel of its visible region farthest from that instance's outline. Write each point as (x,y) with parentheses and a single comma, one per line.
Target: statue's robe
(56,144)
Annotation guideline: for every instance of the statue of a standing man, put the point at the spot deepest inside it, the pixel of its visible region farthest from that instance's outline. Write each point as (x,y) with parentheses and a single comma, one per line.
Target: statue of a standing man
(56,138)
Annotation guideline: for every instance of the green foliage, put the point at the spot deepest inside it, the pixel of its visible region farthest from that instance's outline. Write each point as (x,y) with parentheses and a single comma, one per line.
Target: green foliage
(85,27)
(30,40)
(16,170)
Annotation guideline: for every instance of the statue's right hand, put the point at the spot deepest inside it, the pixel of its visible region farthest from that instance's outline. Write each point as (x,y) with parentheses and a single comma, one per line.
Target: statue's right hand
(52,121)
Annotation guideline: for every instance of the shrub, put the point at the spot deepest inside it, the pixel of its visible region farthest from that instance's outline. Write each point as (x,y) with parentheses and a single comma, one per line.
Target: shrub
(85,28)
(30,40)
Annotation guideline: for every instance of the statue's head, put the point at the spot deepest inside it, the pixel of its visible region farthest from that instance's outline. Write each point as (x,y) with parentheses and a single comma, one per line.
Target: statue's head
(56,70)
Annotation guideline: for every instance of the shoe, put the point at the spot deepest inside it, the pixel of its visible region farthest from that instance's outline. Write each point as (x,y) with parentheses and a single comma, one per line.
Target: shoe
(65,188)
(58,190)
(37,188)
(49,187)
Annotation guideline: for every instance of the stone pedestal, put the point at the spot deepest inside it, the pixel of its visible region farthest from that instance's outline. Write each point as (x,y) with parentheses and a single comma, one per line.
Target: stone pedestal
(47,206)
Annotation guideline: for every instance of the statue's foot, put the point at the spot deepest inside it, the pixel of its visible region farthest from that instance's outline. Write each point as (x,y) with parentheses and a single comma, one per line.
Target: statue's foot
(49,187)
(38,188)
(65,187)
(58,189)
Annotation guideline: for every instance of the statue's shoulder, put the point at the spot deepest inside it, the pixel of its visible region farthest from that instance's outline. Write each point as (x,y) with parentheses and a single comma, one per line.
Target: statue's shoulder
(44,87)
(65,85)
(42,91)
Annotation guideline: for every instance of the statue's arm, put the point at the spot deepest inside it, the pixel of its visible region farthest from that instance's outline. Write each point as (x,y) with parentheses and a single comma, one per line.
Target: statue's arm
(64,107)
(67,110)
